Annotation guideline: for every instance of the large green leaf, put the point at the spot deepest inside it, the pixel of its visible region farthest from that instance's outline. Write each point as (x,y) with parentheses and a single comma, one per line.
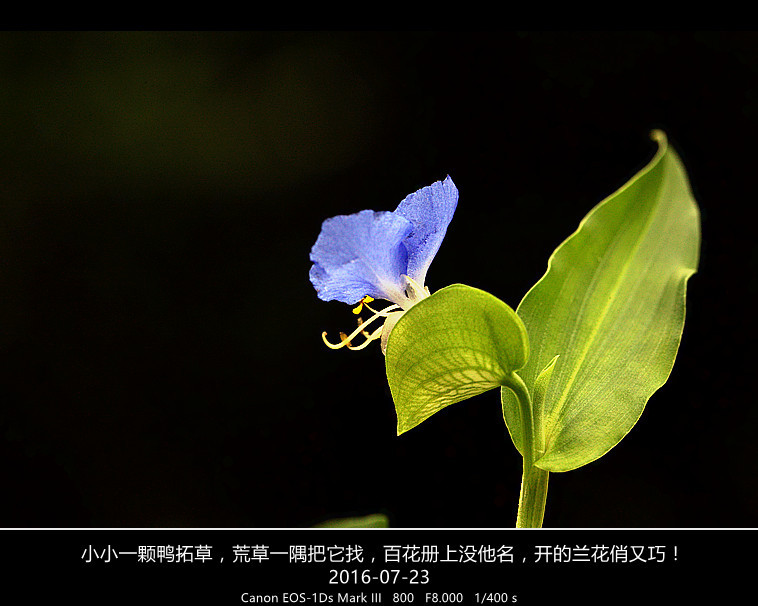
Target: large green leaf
(455,344)
(611,306)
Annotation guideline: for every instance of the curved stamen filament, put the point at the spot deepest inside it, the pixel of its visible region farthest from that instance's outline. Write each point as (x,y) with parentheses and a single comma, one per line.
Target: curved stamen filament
(377,334)
(382,312)
(345,340)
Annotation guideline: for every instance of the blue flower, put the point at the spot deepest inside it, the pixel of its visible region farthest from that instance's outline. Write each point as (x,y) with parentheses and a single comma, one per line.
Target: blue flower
(382,255)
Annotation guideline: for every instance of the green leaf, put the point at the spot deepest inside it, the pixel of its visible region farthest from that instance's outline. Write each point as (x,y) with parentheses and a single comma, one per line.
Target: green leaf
(512,413)
(453,345)
(374,520)
(612,305)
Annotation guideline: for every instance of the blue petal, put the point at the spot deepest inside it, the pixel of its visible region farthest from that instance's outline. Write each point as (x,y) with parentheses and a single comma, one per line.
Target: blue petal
(430,210)
(361,254)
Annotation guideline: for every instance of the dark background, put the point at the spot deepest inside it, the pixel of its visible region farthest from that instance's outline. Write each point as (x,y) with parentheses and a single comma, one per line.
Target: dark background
(160,354)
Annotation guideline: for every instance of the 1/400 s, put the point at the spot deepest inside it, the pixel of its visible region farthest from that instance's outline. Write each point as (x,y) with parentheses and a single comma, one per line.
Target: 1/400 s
(496,598)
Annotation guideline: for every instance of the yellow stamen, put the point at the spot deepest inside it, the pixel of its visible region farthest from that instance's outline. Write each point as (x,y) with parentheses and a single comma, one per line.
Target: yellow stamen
(377,334)
(346,340)
(361,303)
(363,332)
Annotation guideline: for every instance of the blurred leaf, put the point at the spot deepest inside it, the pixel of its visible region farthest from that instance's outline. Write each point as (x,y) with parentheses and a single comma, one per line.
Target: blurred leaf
(612,306)
(453,345)
(374,520)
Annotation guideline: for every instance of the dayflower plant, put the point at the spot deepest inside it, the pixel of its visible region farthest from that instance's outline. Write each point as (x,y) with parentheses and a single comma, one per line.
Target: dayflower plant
(577,362)
(382,255)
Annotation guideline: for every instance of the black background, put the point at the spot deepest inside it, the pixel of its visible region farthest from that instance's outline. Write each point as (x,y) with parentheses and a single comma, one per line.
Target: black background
(160,354)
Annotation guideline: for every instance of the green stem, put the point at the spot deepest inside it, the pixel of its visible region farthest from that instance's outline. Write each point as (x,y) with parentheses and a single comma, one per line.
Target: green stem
(531,506)
(531,503)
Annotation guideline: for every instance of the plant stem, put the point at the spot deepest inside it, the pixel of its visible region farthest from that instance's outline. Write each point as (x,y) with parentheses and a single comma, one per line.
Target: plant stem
(531,506)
